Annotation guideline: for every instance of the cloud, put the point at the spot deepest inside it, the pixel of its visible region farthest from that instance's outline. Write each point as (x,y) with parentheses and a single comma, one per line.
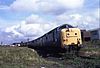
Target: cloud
(40,21)
(71,4)
(42,6)
(23,5)
(34,19)
(35,25)
(32,27)
(4,7)
(97,13)
(83,21)
(5,23)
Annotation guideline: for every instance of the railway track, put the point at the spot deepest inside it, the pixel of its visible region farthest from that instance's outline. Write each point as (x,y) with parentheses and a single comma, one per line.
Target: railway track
(71,55)
(74,61)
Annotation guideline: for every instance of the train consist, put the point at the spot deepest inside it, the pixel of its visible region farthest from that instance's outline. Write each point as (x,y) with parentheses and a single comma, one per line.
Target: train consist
(59,40)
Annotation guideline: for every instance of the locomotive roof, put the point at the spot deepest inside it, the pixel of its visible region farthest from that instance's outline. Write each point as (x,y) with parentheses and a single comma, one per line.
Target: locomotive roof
(60,27)
(66,26)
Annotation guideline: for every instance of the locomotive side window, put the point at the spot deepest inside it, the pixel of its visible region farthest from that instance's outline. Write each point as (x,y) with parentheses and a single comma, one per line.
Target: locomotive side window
(51,37)
(57,29)
(46,37)
(55,35)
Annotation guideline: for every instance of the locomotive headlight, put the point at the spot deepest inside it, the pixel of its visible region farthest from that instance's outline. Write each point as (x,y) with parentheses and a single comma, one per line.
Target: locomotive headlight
(67,33)
(78,39)
(75,33)
(64,40)
(67,37)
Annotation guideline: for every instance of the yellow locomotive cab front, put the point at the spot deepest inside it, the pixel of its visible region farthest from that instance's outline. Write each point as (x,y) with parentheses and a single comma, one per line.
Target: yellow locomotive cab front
(71,36)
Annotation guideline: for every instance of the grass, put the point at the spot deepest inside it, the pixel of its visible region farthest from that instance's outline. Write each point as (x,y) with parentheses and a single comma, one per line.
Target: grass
(92,43)
(17,57)
(21,57)
(92,61)
(93,48)
(85,63)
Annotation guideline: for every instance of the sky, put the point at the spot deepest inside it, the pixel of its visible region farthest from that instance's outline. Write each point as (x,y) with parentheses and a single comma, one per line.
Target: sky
(28,19)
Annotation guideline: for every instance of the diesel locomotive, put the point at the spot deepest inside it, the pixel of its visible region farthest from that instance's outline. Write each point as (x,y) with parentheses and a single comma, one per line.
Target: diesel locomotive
(59,40)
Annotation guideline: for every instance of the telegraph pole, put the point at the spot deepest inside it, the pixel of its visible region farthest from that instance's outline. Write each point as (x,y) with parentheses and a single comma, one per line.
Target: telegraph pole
(1,42)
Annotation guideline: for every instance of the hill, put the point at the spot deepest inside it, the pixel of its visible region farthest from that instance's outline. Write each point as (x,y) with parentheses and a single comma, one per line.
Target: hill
(22,57)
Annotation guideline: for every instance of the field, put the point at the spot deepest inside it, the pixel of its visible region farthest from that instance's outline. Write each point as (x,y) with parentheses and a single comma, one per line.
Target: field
(23,57)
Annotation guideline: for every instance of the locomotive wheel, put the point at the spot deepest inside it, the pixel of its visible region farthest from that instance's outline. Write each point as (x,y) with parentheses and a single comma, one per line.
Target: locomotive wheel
(77,51)
(73,50)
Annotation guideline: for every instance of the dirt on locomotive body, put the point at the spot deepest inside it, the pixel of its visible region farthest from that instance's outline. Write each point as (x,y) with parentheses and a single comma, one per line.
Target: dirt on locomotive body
(59,40)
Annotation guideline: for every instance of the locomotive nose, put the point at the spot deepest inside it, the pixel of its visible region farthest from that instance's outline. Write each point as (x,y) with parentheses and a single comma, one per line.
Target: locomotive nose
(71,36)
